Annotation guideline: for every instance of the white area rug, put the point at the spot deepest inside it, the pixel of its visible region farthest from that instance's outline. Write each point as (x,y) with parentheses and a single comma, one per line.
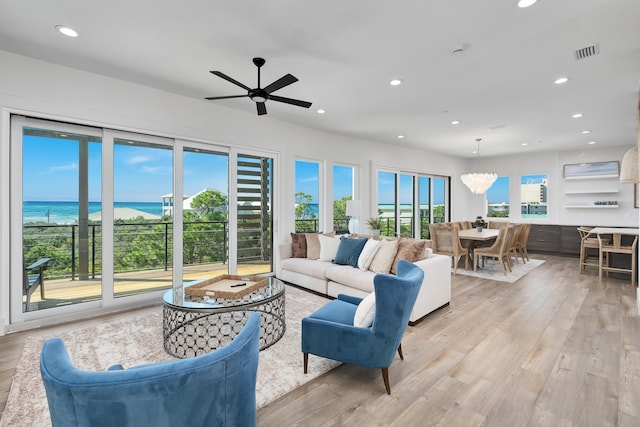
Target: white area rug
(138,340)
(493,271)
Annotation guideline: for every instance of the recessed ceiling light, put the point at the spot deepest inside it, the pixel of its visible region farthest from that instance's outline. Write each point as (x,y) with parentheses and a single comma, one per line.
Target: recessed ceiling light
(586,131)
(395,82)
(591,142)
(67,31)
(577,115)
(524,144)
(526,3)
(400,136)
(321,111)
(455,122)
(561,80)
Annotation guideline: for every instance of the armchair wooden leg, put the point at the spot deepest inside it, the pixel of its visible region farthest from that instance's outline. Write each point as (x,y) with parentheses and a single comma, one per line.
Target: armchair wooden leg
(400,351)
(306,361)
(385,377)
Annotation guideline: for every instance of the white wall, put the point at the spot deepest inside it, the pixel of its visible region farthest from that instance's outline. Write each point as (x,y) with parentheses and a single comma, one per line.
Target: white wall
(47,90)
(552,163)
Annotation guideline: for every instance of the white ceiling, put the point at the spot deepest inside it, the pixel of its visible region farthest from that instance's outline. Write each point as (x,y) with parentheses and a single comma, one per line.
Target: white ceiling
(345,52)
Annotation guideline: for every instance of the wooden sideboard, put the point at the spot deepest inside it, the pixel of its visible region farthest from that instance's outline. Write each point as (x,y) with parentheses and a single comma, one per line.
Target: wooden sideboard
(554,239)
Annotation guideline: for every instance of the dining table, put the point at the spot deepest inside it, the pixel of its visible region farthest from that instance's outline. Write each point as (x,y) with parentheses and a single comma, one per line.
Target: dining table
(471,237)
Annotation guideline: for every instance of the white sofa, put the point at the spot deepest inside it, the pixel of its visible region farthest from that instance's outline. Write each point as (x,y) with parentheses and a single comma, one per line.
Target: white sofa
(330,280)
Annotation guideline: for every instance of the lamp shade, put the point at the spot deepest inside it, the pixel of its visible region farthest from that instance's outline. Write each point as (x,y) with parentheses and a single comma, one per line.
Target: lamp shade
(353,208)
(629,167)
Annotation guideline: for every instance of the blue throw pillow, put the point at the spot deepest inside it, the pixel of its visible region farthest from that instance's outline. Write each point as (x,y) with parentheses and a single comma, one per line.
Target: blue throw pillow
(349,251)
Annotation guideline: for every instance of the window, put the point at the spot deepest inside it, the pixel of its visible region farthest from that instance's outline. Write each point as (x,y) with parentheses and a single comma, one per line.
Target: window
(343,190)
(533,196)
(498,198)
(142,242)
(96,206)
(307,190)
(255,214)
(60,215)
(387,202)
(205,213)
(400,214)
(406,205)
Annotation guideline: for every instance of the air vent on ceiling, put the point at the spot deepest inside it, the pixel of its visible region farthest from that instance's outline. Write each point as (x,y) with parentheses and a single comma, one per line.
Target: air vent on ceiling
(588,51)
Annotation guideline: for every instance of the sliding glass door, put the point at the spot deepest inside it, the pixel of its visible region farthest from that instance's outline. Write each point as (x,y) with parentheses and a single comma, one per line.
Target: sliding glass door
(408,203)
(100,216)
(55,198)
(142,237)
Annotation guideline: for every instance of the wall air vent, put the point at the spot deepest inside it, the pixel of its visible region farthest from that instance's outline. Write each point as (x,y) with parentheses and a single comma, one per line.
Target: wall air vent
(586,52)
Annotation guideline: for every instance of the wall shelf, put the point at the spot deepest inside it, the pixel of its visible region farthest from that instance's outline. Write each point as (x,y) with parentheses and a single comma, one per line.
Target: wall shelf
(609,191)
(591,206)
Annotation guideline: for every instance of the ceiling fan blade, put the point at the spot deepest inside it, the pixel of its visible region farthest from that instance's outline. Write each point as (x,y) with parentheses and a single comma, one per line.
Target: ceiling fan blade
(225,97)
(262,109)
(280,83)
(229,79)
(297,102)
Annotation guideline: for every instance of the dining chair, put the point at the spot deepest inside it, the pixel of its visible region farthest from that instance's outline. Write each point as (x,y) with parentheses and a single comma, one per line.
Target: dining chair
(589,243)
(447,242)
(616,247)
(498,250)
(512,246)
(521,244)
(497,224)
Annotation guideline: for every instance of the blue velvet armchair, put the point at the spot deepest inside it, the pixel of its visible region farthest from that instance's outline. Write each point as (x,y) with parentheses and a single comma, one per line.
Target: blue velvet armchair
(214,389)
(329,332)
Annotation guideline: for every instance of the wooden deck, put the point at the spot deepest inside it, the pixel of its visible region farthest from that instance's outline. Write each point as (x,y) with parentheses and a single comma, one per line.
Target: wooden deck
(59,292)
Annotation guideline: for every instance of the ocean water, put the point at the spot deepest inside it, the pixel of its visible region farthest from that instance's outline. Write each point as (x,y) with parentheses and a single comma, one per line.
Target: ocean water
(67,212)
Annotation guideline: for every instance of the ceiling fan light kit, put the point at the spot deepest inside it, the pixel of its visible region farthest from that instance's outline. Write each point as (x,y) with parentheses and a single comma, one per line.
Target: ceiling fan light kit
(260,95)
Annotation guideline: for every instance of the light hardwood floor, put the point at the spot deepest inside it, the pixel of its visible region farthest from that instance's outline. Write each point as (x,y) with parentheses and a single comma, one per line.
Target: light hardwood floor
(556,348)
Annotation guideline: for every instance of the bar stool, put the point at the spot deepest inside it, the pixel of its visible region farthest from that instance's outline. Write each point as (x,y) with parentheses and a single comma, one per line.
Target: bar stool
(588,242)
(606,249)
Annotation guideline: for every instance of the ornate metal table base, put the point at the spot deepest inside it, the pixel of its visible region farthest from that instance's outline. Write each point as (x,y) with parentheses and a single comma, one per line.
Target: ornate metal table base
(192,328)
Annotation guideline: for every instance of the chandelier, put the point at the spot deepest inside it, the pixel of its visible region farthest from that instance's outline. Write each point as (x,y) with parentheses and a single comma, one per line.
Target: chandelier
(478,182)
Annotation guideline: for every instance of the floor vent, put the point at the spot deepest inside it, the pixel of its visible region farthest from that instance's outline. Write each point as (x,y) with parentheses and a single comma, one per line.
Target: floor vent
(588,51)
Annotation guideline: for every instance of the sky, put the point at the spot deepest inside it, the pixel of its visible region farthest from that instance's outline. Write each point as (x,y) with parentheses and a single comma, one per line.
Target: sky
(144,173)
(141,173)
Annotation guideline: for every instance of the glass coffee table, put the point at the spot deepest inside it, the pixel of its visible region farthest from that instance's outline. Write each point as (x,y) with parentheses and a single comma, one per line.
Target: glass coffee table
(194,325)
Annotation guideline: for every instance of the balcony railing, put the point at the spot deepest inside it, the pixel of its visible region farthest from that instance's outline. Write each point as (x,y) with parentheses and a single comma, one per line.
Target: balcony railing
(136,246)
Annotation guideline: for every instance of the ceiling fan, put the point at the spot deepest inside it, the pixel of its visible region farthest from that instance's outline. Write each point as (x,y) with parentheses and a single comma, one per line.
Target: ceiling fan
(261,95)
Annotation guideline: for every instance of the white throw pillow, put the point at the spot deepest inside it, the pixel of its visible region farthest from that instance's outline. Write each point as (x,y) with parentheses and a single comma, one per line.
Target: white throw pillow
(328,247)
(365,312)
(367,254)
(384,257)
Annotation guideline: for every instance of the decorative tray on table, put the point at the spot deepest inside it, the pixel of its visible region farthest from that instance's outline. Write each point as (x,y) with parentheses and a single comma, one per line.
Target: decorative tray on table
(225,286)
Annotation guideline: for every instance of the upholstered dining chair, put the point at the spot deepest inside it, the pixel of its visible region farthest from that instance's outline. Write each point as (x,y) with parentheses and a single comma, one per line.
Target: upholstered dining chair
(521,243)
(214,389)
(498,250)
(512,244)
(330,331)
(445,241)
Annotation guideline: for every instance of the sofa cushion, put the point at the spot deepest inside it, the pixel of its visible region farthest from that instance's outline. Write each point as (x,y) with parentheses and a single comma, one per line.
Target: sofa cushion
(313,268)
(384,257)
(328,247)
(353,277)
(349,251)
(313,244)
(299,245)
(368,252)
(410,249)
(365,312)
